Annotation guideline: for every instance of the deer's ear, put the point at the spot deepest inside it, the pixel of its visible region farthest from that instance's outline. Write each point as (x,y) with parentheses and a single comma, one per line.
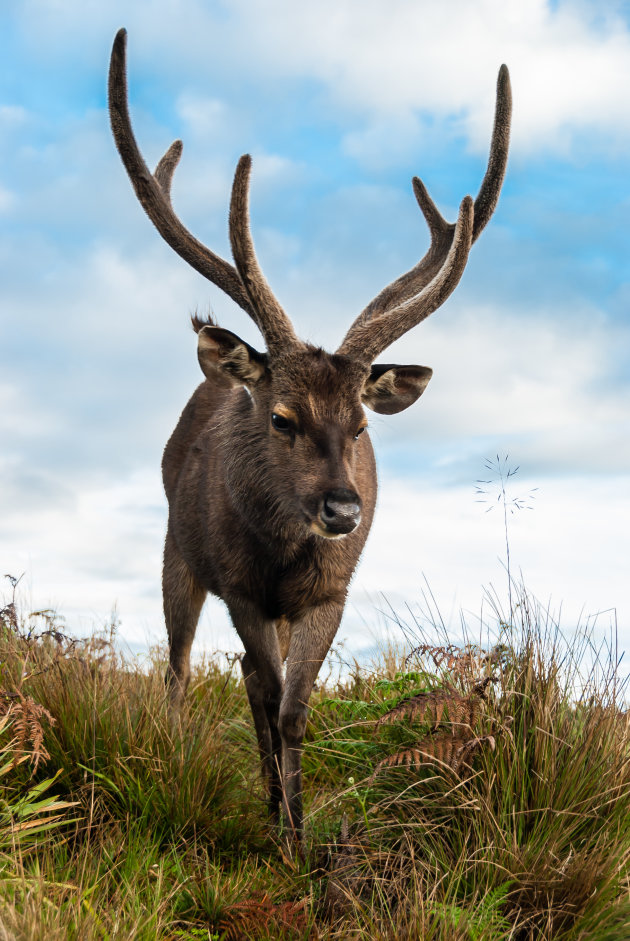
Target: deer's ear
(390,389)
(218,349)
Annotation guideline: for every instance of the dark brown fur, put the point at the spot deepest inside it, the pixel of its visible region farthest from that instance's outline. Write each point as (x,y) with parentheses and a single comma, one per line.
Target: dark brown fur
(236,491)
(227,472)
(270,483)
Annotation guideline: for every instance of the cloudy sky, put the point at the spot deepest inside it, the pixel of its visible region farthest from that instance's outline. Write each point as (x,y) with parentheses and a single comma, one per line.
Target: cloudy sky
(340,102)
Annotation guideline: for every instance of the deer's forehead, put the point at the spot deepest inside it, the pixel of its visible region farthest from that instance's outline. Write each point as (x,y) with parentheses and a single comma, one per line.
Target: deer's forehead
(320,385)
(316,369)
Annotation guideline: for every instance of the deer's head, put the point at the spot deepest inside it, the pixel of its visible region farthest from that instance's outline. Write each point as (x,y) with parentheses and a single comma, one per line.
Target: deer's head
(307,406)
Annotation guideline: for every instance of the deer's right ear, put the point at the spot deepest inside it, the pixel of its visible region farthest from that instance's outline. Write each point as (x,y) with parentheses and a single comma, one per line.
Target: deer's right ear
(219,349)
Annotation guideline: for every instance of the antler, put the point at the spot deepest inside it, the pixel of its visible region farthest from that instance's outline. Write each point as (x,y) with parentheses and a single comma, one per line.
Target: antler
(278,330)
(247,286)
(416,294)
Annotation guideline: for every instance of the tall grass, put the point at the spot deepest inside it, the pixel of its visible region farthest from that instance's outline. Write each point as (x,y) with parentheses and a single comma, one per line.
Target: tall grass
(538,823)
(452,793)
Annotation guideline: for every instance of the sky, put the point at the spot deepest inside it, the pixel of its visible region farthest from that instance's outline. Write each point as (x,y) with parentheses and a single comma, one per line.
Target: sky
(340,103)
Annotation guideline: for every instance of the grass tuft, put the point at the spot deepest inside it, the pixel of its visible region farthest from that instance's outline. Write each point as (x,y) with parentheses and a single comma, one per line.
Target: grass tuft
(452,793)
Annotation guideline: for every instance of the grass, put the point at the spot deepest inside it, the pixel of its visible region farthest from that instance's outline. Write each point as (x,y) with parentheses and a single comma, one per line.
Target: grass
(451,793)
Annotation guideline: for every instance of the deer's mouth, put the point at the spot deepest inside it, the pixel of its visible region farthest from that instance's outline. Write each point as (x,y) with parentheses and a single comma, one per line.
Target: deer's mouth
(320,529)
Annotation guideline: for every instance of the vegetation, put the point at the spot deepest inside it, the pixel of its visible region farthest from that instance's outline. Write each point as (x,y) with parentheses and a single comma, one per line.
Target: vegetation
(453,793)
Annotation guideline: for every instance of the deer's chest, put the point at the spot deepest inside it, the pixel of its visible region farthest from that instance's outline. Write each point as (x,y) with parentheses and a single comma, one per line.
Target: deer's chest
(312,579)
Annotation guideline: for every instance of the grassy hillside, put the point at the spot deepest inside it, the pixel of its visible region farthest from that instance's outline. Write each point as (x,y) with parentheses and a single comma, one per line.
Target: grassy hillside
(451,794)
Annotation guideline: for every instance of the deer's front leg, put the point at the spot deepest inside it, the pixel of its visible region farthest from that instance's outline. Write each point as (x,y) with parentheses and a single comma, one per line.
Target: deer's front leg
(311,638)
(262,672)
(183,601)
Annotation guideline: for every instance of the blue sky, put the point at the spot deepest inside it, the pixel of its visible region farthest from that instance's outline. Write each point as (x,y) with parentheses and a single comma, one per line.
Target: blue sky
(340,103)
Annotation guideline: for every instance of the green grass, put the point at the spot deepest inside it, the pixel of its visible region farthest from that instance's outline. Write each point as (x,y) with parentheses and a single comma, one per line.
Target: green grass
(128,829)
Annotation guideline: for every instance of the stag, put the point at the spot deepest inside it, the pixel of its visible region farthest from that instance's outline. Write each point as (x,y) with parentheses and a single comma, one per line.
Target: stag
(269,474)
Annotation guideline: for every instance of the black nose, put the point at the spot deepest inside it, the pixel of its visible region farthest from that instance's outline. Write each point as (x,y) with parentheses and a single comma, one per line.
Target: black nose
(341,511)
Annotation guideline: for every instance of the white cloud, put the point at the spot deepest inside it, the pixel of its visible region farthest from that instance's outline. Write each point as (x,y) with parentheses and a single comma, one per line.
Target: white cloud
(105,550)
(208,117)
(571,548)
(8,199)
(101,549)
(12,116)
(537,381)
(570,66)
(570,61)
(100,359)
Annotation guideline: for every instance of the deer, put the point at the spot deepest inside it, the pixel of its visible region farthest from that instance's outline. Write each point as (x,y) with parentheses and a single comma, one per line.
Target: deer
(270,474)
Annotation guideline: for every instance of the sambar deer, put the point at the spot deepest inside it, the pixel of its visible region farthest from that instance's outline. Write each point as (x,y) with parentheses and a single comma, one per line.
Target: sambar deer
(270,480)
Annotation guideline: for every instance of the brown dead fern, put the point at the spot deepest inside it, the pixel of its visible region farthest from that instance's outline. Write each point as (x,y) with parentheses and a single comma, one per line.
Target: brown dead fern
(461,709)
(25,718)
(445,657)
(449,751)
(459,661)
(261,917)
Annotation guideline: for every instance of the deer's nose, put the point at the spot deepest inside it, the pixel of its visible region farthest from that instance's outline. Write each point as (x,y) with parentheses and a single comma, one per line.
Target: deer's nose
(341,511)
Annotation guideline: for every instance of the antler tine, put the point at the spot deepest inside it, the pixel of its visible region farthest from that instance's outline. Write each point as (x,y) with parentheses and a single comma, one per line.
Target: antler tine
(410,283)
(488,195)
(153,191)
(415,280)
(165,169)
(372,337)
(274,323)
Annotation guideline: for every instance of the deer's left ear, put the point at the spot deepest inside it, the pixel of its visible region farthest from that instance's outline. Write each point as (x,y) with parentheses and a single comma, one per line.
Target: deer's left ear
(390,389)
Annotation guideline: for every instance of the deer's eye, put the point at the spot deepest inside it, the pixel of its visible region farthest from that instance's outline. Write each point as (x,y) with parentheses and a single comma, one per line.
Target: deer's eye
(359,432)
(280,423)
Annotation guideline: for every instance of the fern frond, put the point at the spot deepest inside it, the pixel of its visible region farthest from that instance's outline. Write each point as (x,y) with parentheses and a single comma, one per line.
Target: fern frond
(25,717)
(462,710)
(260,916)
(454,752)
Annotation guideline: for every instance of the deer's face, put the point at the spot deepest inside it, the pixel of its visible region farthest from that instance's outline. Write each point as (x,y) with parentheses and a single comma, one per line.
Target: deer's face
(309,415)
(314,416)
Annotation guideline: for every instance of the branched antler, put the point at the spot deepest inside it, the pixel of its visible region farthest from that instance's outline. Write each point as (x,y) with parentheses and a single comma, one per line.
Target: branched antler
(414,295)
(399,307)
(246,286)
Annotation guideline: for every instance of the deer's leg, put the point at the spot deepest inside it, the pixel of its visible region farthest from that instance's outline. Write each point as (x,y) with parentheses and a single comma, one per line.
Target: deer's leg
(311,638)
(262,671)
(183,600)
